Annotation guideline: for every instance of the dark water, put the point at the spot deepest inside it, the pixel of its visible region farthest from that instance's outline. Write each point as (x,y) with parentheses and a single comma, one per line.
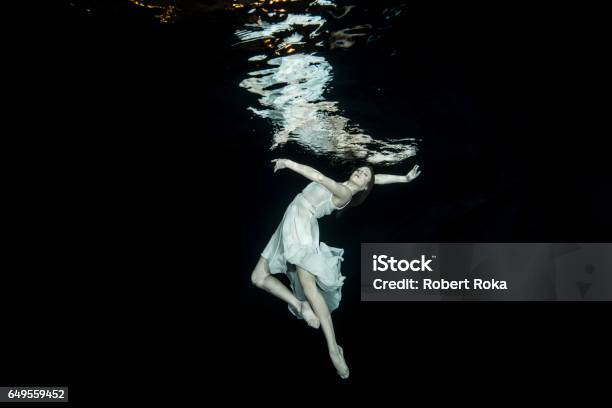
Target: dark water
(481,106)
(488,101)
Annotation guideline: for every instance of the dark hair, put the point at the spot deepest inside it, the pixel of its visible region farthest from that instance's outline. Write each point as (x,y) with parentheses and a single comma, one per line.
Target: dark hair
(360,197)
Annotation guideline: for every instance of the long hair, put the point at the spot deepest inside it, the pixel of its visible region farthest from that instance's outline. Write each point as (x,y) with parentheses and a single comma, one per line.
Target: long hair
(360,197)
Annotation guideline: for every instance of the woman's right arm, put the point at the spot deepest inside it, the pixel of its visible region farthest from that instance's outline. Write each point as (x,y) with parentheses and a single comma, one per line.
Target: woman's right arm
(340,191)
(392,178)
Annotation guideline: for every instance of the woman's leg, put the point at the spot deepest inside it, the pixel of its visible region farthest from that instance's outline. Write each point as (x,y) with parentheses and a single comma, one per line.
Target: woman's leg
(263,279)
(320,308)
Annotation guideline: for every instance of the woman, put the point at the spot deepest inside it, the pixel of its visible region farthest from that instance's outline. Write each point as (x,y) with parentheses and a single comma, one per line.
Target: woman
(313,267)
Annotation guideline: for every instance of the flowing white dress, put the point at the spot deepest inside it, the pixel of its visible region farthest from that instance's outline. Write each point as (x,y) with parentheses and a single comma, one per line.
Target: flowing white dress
(296,242)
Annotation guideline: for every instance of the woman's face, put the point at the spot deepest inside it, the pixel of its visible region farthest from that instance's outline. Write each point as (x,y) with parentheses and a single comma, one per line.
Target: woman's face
(361,177)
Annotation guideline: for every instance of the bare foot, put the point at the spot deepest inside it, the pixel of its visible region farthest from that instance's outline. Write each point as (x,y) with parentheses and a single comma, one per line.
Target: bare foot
(308,315)
(337,359)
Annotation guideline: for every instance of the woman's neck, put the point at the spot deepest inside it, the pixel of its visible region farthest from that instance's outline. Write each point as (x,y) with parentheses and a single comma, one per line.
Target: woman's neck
(352,186)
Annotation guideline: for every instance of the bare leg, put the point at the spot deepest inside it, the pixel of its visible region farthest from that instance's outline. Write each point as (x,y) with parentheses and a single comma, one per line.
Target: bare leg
(263,279)
(322,311)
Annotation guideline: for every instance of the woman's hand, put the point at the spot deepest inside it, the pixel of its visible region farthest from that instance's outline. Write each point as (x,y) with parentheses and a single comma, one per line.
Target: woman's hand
(280,164)
(412,174)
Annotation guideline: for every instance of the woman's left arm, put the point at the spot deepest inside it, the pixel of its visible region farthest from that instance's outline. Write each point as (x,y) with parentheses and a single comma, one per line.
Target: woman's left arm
(337,189)
(391,178)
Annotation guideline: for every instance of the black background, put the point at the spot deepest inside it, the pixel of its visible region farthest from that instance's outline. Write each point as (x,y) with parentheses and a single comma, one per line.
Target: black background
(138,221)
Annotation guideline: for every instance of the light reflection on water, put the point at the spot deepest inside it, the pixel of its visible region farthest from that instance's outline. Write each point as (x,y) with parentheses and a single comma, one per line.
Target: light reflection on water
(288,41)
(167,11)
(292,85)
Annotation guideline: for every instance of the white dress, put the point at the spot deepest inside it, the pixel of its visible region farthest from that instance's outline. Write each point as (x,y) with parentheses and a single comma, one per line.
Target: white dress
(296,242)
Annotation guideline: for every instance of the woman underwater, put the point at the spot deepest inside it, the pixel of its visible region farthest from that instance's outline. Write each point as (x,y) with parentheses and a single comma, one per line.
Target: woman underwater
(313,267)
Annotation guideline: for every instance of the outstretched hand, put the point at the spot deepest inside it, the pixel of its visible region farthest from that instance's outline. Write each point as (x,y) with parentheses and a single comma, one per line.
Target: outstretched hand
(412,174)
(280,164)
